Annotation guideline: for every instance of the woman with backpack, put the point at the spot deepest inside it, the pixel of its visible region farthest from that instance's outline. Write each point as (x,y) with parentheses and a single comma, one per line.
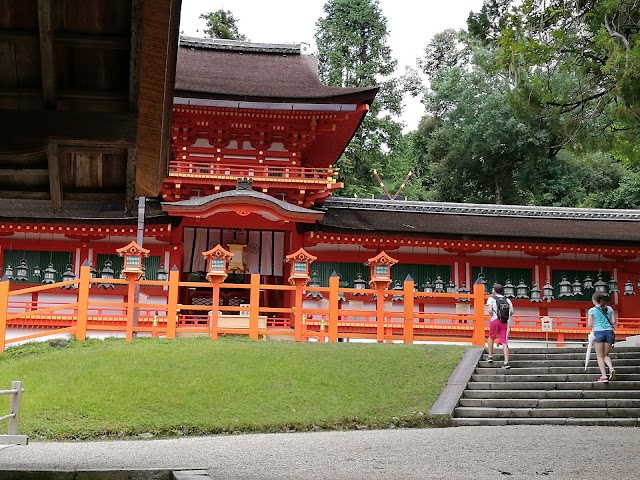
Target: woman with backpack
(602,321)
(501,309)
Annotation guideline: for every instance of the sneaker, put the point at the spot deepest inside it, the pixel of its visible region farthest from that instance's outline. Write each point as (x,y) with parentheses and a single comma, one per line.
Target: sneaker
(490,359)
(612,374)
(507,366)
(603,380)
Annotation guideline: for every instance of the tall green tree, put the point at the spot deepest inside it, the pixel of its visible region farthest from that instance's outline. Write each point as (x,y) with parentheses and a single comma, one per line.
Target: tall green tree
(222,24)
(352,52)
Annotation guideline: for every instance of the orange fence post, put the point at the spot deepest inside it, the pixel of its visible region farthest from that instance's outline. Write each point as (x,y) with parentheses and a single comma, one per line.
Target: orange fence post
(215,306)
(83,302)
(333,308)
(4,304)
(172,302)
(407,331)
(380,313)
(478,339)
(254,305)
(130,303)
(297,313)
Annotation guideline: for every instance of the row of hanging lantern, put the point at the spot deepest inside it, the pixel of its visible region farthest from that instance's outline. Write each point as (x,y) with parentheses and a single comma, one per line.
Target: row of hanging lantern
(48,275)
(521,290)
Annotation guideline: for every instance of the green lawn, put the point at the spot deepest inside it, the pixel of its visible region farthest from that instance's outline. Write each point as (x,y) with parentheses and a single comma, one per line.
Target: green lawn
(113,389)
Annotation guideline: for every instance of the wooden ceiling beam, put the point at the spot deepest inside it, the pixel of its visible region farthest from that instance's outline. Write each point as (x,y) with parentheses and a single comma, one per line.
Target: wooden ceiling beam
(47,60)
(106,42)
(40,172)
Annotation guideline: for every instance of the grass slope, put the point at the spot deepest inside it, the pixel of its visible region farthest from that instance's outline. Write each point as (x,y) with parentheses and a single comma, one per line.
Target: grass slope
(195,386)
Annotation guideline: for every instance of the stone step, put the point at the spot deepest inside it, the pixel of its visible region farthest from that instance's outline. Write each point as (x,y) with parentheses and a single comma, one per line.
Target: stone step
(565,403)
(576,363)
(609,422)
(551,385)
(516,355)
(561,350)
(514,376)
(554,370)
(556,394)
(493,412)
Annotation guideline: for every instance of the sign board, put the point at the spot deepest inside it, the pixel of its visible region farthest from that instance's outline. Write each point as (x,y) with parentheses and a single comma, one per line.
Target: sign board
(546,324)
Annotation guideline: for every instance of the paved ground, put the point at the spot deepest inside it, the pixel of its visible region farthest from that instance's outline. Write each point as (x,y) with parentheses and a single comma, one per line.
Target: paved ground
(516,452)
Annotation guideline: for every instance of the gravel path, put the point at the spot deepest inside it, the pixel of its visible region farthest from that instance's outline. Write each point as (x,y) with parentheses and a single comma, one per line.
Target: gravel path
(516,452)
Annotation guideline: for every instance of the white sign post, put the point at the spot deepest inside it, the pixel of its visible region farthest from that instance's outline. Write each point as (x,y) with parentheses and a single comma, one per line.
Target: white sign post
(546,324)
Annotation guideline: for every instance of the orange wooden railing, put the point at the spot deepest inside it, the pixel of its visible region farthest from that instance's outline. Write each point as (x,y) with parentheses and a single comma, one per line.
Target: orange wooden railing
(327,320)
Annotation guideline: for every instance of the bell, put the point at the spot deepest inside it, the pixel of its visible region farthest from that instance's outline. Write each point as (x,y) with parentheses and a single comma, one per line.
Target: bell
(576,288)
(600,286)
(438,284)
(613,285)
(547,291)
(564,287)
(535,293)
(451,287)
(427,287)
(522,291)
(22,272)
(628,288)
(509,289)
(314,282)
(588,283)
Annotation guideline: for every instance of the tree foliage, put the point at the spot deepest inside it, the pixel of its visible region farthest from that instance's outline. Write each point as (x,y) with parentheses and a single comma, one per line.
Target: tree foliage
(222,24)
(352,52)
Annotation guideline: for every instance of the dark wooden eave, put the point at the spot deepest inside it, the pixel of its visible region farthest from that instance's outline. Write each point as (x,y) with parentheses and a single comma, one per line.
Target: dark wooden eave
(85,95)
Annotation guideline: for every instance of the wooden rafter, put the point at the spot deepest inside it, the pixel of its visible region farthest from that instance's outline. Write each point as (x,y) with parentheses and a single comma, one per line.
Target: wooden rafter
(55,185)
(130,186)
(134,54)
(47,60)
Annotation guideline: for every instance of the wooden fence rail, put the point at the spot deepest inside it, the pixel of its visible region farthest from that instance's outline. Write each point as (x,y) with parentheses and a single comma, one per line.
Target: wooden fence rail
(12,417)
(390,315)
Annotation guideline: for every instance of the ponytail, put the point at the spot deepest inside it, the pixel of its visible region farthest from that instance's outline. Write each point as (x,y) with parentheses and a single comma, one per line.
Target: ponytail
(599,299)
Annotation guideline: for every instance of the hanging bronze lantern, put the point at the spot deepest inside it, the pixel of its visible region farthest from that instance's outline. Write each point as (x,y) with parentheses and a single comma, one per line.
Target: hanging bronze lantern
(600,286)
(522,291)
(588,283)
(22,272)
(628,288)
(68,275)
(564,287)
(162,274)
(37,272)
(463,289)
(313,283)
(107,273)
(341,285)
(613,285)
(535,293)
(576,288)
(509,289)
(427,287)
(8,272)
(547,291)
(359,283)
(49,274)
(451,287)
(396,297)
(438,284)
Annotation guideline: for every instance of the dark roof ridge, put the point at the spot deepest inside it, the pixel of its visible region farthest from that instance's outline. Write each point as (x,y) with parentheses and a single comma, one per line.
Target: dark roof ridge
(483,209)
(242,46)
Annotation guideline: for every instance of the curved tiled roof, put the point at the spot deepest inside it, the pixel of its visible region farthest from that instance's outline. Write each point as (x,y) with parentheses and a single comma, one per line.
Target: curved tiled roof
(258,72)
(479,221)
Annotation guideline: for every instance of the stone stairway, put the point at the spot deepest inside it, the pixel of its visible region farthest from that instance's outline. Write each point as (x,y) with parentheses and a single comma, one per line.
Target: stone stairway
(550,386)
